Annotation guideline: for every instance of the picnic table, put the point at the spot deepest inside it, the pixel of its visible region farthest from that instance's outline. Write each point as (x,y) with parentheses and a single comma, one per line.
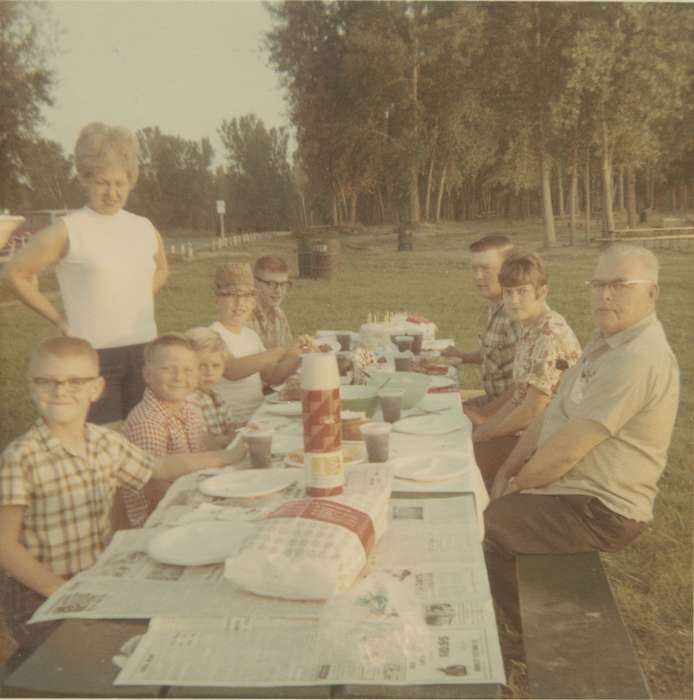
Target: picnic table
(78,658)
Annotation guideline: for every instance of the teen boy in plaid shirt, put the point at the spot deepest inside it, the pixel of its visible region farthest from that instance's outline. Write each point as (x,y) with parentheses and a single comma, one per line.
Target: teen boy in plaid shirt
(58,481)
(500,335)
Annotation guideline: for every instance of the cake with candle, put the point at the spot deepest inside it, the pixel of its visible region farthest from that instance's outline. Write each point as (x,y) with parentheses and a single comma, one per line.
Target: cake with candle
(377,330)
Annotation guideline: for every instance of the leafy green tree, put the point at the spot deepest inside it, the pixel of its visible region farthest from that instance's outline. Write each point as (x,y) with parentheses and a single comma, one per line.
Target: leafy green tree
(26,85)
(49,176)
(261,190)
(176,187)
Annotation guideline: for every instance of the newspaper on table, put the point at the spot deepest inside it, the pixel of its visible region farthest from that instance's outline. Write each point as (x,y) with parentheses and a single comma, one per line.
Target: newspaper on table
(430,540)
(263,653)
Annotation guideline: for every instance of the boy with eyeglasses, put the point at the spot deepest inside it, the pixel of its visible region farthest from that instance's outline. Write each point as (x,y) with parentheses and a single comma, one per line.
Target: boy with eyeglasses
(249,364)
(268,320)
(59,479)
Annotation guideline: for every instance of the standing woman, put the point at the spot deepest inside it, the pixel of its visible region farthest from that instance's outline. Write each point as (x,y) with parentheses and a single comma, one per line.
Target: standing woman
(109,264)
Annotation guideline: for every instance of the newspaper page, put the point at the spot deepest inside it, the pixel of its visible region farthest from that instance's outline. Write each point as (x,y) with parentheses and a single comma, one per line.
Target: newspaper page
(264,653)
(126,583)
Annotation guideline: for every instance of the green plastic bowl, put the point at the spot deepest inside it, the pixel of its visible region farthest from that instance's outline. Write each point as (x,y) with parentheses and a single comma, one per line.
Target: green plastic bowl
(413,384)
(354,397)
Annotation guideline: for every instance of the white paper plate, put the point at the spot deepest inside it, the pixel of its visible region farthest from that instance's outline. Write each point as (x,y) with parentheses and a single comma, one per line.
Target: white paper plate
(274,397)
(247,483)
(198,543)
(437,466)
(440,382)
(286,408)
(432,424)
(352,453)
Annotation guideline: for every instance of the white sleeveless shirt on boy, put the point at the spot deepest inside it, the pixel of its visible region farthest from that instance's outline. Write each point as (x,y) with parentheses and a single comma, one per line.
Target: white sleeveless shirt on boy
(242,396)
(106,278)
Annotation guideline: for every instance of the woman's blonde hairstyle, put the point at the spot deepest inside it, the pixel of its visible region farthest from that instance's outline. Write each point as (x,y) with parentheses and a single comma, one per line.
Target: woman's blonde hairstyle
(101,146)
(206,340)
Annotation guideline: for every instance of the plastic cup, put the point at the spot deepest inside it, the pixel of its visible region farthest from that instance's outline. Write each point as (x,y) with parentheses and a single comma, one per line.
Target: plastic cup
(417,340)
(377,440)
(345,340)
(391,404)
(259,443)
(404,362)
(404,342)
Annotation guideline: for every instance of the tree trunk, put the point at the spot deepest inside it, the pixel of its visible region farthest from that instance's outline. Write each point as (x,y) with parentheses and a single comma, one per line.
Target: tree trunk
(684,198)
(651,189)
(586,195)
(560,189)
(607,215)
(353,207)
(547,212)
(334,216)
(620,188)
(430,180)
(673,197)
(439,197)
(631,197)
(573,196)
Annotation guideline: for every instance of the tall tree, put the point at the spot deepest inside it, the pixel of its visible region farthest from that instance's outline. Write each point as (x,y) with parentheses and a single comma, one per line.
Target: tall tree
(260,183)
(26,84)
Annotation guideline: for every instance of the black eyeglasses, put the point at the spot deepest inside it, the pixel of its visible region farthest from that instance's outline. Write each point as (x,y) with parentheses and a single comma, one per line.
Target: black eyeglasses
(274,285)
(73,384)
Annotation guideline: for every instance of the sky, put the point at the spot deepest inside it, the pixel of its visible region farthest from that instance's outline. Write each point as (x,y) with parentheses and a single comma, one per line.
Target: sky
(182,66)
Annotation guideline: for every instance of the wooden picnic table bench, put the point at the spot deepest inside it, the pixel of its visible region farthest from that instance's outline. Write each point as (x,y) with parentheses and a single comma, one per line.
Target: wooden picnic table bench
(576,644)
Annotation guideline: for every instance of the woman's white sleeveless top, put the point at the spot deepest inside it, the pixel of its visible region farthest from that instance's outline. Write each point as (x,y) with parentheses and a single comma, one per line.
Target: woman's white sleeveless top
(106,278)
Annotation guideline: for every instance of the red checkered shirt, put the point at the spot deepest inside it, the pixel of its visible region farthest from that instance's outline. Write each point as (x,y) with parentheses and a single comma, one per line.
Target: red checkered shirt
(68,498)
(215,413)
(159,432)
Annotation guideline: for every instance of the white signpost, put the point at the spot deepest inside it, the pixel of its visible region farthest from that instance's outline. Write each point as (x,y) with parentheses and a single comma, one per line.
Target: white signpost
(221,210)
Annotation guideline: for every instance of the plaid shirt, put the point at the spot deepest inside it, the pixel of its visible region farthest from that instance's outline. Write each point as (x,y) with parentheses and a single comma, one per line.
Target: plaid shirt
(498,348)
(68,498)
(271,325)
(159,432)
(216,415)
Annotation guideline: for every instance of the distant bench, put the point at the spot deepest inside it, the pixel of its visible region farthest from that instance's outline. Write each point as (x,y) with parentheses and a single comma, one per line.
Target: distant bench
(657,237)
(576,645)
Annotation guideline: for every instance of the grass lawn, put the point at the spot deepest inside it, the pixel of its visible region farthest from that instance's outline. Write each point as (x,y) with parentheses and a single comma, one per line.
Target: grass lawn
(652,579)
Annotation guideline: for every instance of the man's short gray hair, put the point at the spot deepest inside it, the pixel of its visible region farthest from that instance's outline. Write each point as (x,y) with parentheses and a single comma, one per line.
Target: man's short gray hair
(647,257)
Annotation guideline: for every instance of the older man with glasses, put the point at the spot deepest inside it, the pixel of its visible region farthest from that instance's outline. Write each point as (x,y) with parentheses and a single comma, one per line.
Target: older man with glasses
(584,475)
(268,320)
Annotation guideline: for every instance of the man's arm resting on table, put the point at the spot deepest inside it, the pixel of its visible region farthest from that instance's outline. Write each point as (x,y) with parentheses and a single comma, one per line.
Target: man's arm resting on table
(17,561)
(559,454)
(512,418)
(171,466)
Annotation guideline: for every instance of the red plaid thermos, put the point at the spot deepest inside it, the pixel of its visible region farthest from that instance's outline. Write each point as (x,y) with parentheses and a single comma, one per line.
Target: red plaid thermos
(320,395)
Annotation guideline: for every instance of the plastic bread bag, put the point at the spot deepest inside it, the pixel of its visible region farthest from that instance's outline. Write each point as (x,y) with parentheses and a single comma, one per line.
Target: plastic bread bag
(314,548)
(378,622)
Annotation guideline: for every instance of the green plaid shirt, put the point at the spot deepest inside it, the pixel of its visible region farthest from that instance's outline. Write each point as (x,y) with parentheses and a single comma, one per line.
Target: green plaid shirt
(498,348)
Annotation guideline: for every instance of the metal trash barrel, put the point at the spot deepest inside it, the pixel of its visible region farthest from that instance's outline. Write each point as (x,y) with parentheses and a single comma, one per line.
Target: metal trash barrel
(304,250)
(326,253)
(405,237)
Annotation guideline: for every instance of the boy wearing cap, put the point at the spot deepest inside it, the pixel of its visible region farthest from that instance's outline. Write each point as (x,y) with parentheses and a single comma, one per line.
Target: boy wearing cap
(249,363)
